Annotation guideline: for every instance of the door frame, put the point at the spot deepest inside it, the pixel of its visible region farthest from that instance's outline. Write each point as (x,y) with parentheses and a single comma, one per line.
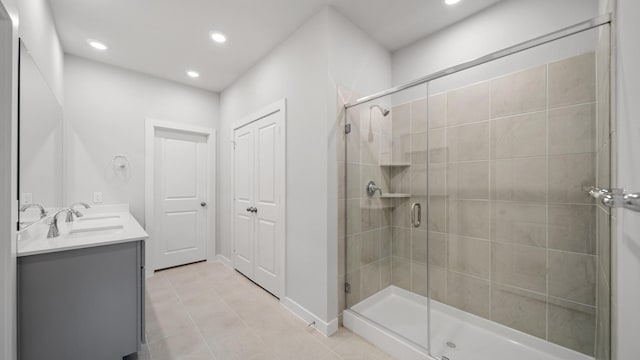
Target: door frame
(151,125)
(278,106)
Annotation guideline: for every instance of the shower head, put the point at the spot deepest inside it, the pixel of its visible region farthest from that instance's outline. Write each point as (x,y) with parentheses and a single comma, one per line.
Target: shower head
(384,111)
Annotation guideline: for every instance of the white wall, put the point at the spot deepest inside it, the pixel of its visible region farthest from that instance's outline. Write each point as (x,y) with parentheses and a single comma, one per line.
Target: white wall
(626,245)
(37,30)
(105,111)
(507,23)
(326,52)
(358,65)
(295,70)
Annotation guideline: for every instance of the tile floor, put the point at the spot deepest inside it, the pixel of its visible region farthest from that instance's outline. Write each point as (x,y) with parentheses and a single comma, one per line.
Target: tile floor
(208,311)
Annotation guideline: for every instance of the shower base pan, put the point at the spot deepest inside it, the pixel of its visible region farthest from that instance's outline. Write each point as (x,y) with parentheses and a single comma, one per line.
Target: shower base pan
(396,321)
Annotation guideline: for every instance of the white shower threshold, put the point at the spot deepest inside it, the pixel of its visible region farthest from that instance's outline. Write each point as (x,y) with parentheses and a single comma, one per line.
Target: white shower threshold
(470,337)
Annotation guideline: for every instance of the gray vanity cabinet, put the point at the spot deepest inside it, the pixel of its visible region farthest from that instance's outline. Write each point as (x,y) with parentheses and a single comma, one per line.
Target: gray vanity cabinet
(81,304)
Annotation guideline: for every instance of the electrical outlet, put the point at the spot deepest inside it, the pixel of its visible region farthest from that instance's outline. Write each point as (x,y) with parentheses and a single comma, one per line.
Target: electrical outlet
(26,198)
(97,197)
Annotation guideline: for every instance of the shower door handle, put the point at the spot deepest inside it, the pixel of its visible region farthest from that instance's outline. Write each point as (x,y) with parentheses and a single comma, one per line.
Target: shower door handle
(416,220)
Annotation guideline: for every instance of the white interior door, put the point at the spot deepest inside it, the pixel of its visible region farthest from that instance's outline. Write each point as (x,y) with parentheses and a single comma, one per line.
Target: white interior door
(181,178)
(243,200)
(258,236)
(266,268)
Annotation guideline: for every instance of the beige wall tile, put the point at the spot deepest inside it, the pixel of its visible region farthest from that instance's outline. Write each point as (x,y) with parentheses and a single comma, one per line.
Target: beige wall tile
(400,180)
(469,293)
(385,271)
(469,104)
(437,149)
(438,283)
(469,218)
(369,280)
(569,175)
(385,241)
(520,92)
(400,213)
(401,130)
(518,309)
(419,179)
(419,276)
(438,249)
(519,179)
(572,325)
(354,249)
(437,179)
(470,256)
(354,184)
(370,214)
(468,180)
(419,246)
(353,216)
(419,116)
(572,276)
(437,218)
(519,265)
(519,223)
(572,130)
(572,81)
(401,242)
(419,147)
(353,139)
(370,246)
(573,228)
(437,110)
(370,140)
(469,142)
(519,136)
(401,272)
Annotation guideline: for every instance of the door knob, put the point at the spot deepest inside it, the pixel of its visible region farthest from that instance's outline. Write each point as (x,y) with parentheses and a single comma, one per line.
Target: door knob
(203,204)
(250,209)
(255,209)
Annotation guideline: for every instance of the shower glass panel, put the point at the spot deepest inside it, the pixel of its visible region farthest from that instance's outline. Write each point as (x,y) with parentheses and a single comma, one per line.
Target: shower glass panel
(469,233)
(519,252)
(386,245)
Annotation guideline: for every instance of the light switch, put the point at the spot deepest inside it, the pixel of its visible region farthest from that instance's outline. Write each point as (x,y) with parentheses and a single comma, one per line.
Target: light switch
(97,197)
(26,198)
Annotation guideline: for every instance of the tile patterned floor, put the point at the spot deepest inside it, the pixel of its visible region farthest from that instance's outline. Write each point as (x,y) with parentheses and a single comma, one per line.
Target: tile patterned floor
(206,311)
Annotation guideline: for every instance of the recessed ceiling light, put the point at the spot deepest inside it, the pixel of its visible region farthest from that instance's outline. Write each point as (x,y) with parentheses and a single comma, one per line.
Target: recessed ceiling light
(193,74)
(451,2)
(97,45)
(218,37)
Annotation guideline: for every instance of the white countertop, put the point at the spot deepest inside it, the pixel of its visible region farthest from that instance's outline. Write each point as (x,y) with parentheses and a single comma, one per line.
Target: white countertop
(100,225)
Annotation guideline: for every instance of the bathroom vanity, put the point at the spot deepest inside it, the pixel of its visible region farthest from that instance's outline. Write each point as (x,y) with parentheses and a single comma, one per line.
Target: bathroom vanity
(81,294)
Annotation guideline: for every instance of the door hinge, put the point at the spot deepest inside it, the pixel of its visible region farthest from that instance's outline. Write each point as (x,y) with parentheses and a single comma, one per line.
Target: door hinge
(347,129)
(347,288)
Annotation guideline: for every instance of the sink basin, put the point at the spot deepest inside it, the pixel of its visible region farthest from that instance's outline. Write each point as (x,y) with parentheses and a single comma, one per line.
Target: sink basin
(98,217)
(96,230)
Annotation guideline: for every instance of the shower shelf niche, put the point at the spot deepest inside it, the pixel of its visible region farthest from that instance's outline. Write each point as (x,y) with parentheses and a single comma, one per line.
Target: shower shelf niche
(395,196)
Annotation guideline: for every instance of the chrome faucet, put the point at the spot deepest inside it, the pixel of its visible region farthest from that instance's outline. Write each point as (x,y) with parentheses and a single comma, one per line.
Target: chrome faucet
(53,226)
(372,188)
(77,213)
(43,212)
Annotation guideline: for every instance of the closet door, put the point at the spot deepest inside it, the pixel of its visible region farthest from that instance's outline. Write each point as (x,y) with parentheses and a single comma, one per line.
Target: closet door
(267,246)
(243,221)
(257,182)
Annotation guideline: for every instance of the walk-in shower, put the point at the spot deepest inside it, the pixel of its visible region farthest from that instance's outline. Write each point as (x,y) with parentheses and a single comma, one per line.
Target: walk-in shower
(481,242)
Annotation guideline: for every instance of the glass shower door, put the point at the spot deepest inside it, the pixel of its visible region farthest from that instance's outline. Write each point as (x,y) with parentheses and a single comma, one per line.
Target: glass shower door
(386,237)
(518,251)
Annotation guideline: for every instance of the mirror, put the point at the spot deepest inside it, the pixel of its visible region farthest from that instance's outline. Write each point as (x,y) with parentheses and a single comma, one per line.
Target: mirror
(41,143)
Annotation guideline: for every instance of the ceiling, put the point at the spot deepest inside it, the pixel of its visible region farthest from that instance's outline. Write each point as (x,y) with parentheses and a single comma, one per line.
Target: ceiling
(165,38)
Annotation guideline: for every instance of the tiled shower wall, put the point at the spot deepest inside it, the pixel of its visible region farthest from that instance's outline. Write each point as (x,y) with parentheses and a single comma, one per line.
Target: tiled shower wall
(512,234)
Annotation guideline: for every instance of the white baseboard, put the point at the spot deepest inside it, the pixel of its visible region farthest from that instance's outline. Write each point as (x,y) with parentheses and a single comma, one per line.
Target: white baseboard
(325,328)
(224,260)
